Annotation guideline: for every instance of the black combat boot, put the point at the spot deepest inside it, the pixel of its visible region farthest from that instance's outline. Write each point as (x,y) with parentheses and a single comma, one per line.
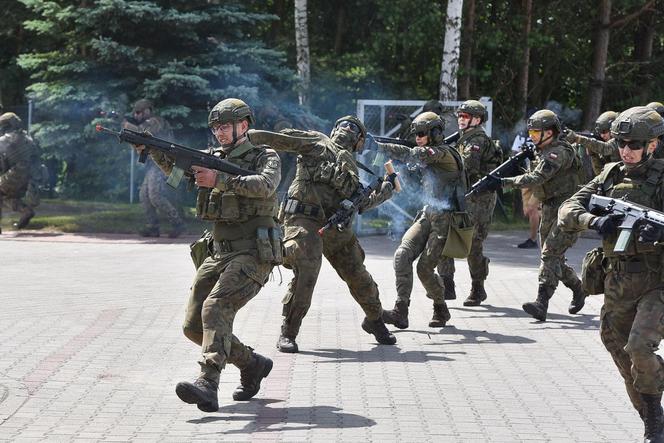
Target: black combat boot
(397,316)
(176,231)
(450,291)
(251,376)
(26,216)
(477,294)
(287,344)
(379,330)
(653,418)
(578,299)
(202,392)
(149,231)
(441,315)
(538,308)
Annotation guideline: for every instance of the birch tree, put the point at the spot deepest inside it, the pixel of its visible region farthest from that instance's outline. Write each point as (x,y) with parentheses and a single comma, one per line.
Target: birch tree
(451,48)
(302,48)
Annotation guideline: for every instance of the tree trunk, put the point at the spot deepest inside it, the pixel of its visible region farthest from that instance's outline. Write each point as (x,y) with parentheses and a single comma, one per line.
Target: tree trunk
(467,39)
(600,56)
(644,37)
(302,45)
(450,64)
(522,80)
(339,33)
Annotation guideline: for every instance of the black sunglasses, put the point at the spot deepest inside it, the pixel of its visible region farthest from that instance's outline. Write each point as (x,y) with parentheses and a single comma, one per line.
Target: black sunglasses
(421,134)
(633,145)
(352,127)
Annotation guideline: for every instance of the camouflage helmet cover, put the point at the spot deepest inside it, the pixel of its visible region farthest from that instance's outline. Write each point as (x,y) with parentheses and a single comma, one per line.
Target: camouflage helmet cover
(657,106)
(544,119)
(230,110)
(474,108)
(142,105)
(638,123)
(9,122)
(357,121)
(427,122)
(603,122)
(434,106)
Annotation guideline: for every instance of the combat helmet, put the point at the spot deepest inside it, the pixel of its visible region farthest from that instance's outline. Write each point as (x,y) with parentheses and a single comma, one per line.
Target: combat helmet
(9,122)
(639,123)
(657,106)
(230,110)
(603,122)
(350,132)
(429,123)
(434,106)
(544,119)
(474,108)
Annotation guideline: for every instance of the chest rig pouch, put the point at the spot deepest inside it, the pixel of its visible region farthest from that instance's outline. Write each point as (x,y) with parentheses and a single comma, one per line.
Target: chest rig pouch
(339,174)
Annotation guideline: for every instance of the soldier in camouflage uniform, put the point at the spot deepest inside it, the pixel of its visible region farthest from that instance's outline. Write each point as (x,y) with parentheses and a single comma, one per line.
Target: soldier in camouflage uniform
(601,151)
(554,179)
(244,211)
(480,156)
(155,195)
(444,185)
(326,176)
(631,318)
(17,156)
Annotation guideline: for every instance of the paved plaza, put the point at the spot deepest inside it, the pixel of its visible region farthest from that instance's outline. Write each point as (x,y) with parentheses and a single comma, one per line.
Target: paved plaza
(91,349)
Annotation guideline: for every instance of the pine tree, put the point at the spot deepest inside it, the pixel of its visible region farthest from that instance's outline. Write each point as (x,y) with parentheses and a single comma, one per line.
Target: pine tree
(184,55)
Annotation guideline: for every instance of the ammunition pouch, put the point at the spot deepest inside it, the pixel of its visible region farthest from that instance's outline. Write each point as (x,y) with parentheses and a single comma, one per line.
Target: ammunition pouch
(592,271)
(270,245)
(201,249)
(459,236)
(218,206)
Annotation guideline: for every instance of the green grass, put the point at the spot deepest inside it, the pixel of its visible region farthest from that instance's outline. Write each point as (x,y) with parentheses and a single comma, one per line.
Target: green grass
(94,217)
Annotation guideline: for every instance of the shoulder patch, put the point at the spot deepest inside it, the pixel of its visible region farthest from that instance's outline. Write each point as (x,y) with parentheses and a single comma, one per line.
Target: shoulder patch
(553,156)
(474,148)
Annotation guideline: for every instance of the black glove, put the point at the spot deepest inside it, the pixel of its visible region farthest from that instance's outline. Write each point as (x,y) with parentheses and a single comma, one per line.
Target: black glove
(607,224)
(392,178)
(649,233)
(493,183)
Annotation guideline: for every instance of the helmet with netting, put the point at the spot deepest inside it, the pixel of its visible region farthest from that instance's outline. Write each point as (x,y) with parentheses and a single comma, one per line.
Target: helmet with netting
(640,123)
(544,119)
(603,122)
(230,110)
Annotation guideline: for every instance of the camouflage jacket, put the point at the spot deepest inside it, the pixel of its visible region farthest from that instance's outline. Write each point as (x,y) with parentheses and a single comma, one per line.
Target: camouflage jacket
(479,152)
(556,174)
(444,181)
(326,174)
(600,152)
(17,154)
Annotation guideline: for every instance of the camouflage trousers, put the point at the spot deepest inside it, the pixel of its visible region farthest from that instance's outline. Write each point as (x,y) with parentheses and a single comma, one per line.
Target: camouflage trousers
(13,204)
(224,283)
(304,251)
(424,239)
(157,197)
(480,209)
(632,326)
(555,242)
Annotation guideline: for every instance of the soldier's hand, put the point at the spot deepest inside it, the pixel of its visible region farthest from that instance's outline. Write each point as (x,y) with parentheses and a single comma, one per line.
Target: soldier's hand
(370,144)
(422,152)
(205,178)
(649,233)
(494,183)
(139,148)
(607,224)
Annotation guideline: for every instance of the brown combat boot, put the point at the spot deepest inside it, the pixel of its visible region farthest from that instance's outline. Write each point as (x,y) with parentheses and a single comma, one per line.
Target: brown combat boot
(397,316)
(378,329)
(176,231)
(26,216)
(477,294)
(149,231)
(653,418)
(538,308)
(578,299)
(251,376)
(441,315)
(450,291)
(202,392)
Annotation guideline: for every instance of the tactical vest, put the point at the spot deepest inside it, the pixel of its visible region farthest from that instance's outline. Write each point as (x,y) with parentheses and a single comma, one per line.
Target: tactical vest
(644,189)
(491,158)
(448,188)
(566,182)
(227,207)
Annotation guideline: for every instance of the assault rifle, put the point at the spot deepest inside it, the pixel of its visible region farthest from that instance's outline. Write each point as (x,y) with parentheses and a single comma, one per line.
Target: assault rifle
(357,202)
(453,138)
(184,157)
(633,215)
(509,168)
